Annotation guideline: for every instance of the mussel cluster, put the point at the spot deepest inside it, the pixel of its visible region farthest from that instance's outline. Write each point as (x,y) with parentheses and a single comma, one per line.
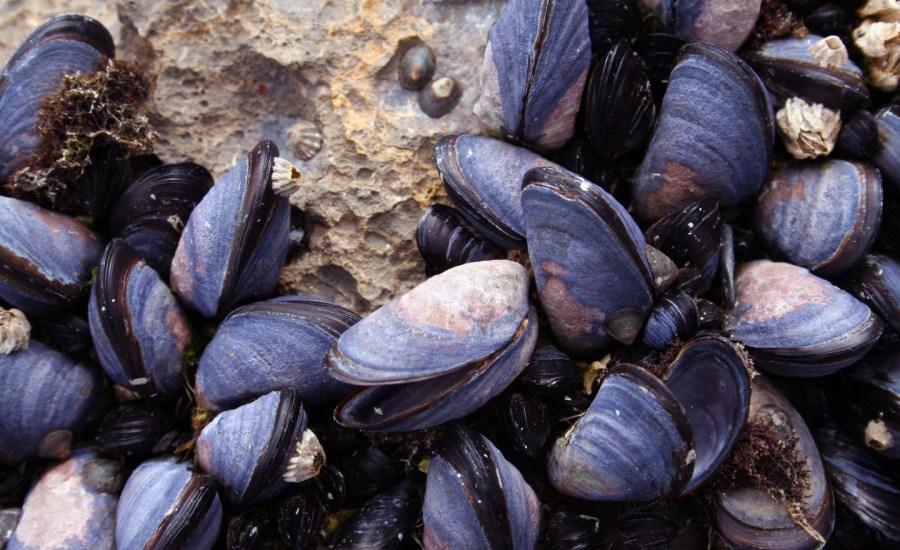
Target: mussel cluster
(653,318)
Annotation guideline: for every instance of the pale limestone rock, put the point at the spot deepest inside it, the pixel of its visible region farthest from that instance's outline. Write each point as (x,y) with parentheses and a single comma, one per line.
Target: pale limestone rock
(231,72)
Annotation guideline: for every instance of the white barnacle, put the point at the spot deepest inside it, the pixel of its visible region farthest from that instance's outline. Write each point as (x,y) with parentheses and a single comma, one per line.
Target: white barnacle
(14,331)
(808,130)
(308,459)
(285,177)
(829,51)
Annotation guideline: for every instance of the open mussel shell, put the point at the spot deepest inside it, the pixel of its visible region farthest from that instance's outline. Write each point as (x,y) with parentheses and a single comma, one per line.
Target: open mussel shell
(789,70)
(140,331)
(483,177)
(534,70)
(691,237)
(65,44)
(589,260)
(271,345)
(715,99)
(235,241)
(444,241)
(861,484)
(461,316)
(65,510)
(165,505)
(750,518)
(693,418)
(46,258)
(45,398)
(796,324)
(822,216)
(249,450)
(474,498)
(618,102)
(876,281)
(432,402)
(151,214)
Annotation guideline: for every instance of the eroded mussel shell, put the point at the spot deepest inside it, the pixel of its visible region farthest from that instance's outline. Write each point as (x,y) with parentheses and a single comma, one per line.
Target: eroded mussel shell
(46,258)
(796,324)
(151,214)
(140,331)
(165,505)
(44,399)
(791,67)
(65,44)
(255,450)
(271,345)
(534,70)
(589,260)
(444,241)
(750,517)
(483,177)
(821,216)
(474,498)
(714,99)
(235,241)
(65,510)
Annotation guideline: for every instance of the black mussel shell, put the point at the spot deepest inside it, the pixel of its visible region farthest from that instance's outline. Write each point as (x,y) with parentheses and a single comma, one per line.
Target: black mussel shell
(65,44)
(828,20)
(534,69)
(384,521)
(887,155)
(859,136)
(618,102)
(252,530)
(526,423)
(151,214)
(444,241)
(823,216)
(131,429)
(713,137)
(658,51)
(68,333)
(691,237)
(368,471)
(663,525)
(871,401)
(674,316)
(589,259)
(789,70)
(550,372)
(566,527)
(299,518)
(474,498)
(876,281)
(610,21)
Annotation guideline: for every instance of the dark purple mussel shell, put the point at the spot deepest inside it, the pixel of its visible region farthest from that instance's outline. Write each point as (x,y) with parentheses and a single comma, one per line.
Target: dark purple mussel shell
(674,316)
(749,517)
(664,524)
(151,214)
(444,241)
(299,518)
(255,450)
(618,102)
(131,429)
(693,418)
(438,352)
(165,505)
(876,281)
(64,44)
(46,258)
(140,331)
(550,372)
(44,399)
(483,177)
(589,259)
(526,423)
(385,521)
(871,401)
(235,241)
(690,237)
(67,509)
(610,21)
(862,485)
(823,216)
(271,345)
(789,70)
(474,498)
(796,324)
(713,137)
(859,136)
(658,51)
(725,24)
(887,155)
(567,527)
(534,70)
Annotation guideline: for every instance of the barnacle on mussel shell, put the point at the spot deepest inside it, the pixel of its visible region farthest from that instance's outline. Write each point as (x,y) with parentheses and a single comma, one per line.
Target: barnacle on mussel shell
(272,345)
(439,351)
(716,100)
(474,498)
(65,44)
(140,331)
(796,324)
(45,258)
(235,242)
(534,70)
(66,505)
